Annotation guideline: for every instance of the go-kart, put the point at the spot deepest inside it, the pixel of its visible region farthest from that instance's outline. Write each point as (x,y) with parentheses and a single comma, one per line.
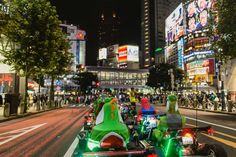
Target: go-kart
(147,123)
(89,122)
(184,142)
(111,137)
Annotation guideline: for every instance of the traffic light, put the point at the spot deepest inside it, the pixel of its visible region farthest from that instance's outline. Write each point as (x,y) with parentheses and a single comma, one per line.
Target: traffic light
(97,84)
(80,67)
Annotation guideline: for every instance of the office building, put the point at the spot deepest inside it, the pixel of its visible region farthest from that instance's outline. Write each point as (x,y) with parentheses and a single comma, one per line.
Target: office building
(153,15)
(77,39)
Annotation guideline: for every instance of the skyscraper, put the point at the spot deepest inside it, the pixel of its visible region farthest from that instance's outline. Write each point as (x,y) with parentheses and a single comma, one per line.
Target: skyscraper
(153,15)
(109,27)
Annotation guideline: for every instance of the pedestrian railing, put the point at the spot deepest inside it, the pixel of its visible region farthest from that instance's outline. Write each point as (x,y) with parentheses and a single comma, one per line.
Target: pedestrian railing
(207,105)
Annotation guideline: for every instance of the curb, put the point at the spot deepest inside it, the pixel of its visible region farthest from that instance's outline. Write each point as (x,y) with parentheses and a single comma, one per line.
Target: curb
(222,112)
(25,115)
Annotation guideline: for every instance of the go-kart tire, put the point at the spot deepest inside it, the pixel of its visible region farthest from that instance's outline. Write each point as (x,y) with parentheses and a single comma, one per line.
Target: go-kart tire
(214,149)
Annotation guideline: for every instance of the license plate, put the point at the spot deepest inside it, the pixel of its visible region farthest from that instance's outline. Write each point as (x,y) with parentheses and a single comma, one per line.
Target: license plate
(187,140)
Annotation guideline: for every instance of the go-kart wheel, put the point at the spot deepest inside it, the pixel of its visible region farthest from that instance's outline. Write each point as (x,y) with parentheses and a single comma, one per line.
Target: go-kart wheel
(213,150)
(217,150)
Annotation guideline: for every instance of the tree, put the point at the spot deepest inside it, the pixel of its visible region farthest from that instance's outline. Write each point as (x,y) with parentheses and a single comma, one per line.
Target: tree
(40,46)
(158,76)
(85,80)
(222,30)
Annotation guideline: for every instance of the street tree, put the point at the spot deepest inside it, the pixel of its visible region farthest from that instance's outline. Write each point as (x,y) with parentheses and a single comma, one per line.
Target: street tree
(85,80)
(158,76)
(40,46)
(222,30)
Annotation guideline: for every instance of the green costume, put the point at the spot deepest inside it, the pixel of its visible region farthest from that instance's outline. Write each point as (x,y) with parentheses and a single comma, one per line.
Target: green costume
(97,106)
(173,119)
(108,123)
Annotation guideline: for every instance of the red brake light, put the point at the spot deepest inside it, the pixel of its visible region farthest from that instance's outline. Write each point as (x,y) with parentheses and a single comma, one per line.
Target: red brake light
(210,131)
(188,135)
(152,155)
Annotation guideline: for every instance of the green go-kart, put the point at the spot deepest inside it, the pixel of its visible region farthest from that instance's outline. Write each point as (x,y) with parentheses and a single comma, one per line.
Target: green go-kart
(111,137)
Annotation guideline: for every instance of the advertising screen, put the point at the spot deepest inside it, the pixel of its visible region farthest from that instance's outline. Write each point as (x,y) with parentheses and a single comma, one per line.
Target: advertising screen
(197,13)
(133,53)
(201,67)
(102,54)
(169,51)
(180,46)
(122,54)
(7,82)
(174,25)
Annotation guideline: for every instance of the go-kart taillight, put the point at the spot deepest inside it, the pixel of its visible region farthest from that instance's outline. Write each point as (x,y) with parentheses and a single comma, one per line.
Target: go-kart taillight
(152,155)
(112,142)
(210,131)
(188,135)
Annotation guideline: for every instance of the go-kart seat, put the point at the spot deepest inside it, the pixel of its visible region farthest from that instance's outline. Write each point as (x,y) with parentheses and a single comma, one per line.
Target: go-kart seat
(110,130)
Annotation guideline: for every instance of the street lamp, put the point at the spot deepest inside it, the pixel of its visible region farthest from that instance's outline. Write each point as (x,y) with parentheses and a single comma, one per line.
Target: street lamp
(64,85)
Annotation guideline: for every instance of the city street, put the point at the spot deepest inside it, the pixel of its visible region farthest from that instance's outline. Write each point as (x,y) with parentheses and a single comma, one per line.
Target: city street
(53,133)
(224,126)
(46,134)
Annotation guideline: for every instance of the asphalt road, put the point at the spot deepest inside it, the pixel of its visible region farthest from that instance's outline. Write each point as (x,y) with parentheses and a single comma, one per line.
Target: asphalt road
(224,126)
(47,134)
(53,133)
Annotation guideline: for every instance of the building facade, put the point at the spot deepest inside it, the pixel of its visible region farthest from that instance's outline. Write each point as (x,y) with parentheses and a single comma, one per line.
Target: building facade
(109,28)
(153,15)
(120,78)
(187,42)
(77,40)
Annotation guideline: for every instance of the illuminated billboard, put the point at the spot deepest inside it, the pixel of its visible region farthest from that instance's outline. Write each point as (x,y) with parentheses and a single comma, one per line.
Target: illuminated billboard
(102,54)
(170,50)
(133,53)
(197,13)
(128,53)
(174,25)
(80,34)
(201,67)
(180,47)
(122,54)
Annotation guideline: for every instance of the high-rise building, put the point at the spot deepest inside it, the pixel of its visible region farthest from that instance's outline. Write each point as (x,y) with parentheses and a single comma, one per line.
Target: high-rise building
(76,37)
(153,15)
(109,28)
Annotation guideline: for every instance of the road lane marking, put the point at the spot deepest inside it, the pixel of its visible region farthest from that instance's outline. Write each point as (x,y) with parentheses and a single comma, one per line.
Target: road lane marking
(217,132)
(222,126)
(73,146)
(226,142)
(11,135)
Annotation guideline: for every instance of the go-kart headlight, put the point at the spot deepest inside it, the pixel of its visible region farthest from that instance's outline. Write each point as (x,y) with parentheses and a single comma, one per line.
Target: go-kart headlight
(93,144)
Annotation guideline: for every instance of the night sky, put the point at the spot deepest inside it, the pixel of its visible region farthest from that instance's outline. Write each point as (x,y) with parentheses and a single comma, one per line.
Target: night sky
(85,13)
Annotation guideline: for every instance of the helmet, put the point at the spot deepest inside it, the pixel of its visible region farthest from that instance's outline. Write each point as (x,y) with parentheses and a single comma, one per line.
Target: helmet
(172,99)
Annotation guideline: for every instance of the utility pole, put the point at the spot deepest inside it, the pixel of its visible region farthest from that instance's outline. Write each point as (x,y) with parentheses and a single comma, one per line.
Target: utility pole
(220,63)
(170,72)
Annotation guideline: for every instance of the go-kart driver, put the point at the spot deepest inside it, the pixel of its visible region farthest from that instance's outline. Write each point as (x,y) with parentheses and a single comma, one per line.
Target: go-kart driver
(110,130)
(146,109)
(173,119)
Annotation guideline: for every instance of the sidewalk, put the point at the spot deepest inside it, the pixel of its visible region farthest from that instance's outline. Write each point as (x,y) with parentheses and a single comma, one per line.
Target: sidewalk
(30,111)
(206,110)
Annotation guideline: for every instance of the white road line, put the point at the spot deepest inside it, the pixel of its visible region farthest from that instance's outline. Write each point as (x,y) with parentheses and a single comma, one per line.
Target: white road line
(11,135)
(222,126)
(72,147)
